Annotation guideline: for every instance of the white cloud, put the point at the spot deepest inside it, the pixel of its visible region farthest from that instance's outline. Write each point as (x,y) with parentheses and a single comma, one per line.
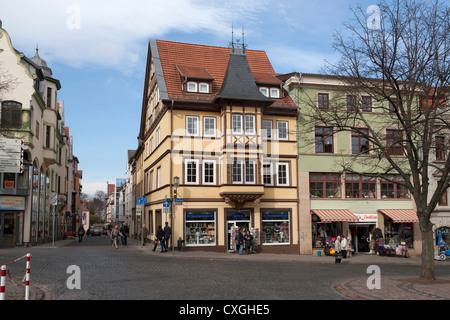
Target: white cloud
(112,33)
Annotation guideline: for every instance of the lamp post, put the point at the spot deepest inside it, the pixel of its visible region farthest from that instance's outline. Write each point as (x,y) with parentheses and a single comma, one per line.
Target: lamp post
(176,184)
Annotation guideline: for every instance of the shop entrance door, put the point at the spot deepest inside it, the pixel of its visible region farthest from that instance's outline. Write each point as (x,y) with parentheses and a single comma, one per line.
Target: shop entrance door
(361,236)
(233,229)
(8,229)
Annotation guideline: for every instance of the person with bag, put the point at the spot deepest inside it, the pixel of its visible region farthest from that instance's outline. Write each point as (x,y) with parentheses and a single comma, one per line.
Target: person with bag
(115,233)
(167,233)
(159,238)
(240,241)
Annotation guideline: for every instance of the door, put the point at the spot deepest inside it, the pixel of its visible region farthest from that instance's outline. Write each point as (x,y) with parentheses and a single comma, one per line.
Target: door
(8,229)
(232,231)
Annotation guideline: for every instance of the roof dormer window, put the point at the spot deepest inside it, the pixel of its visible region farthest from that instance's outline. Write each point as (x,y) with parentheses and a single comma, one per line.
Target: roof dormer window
(192,86)
(264,91)
(203,87)
(273,93)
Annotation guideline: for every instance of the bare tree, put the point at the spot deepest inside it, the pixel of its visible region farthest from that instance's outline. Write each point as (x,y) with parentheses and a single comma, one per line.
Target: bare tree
(402,62)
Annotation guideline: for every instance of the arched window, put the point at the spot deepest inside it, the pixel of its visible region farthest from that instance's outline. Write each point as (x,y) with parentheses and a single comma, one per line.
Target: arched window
(11,114)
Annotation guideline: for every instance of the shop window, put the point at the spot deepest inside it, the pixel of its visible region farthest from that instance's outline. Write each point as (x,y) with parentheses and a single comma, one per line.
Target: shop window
(398,233)
(275,227)
(324,234)
(200,227)
(325,185)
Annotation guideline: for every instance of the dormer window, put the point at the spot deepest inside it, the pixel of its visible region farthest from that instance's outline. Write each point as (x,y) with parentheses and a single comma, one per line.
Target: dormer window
(192,86)
(273,93)
(203,87)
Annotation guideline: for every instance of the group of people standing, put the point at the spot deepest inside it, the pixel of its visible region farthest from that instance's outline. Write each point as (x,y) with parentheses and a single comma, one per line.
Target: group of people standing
(244,240)
(162,237)
(341,245)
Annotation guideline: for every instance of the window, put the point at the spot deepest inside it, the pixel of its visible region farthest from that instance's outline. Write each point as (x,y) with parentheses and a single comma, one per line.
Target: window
(158,177)
(443,200)
(360,144)
(236,124)
(191,171)
(366,103)
(209,172)
(264,91)
(325,185)
(392,105)
(47,136)
(275,227)
(352,103)
(192,128)
(267,174)
(282,174)
(209,127)
(266,131)
(151,145)
(250,124)
(440,148)
(11,114)
(49,97)
(249,171)
(274,93)
(360,186)
(392,187)
(323,101)
(324,139)
(203,87)
(200,227)
(192,86)
(393,142)
(158,136)
(282,127)
(236,171)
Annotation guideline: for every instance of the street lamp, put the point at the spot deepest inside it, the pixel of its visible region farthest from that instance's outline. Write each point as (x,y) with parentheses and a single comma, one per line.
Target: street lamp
(176,184)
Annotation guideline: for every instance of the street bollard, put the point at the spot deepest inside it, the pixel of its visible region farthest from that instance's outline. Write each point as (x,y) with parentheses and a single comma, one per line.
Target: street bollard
(27,278)
(3,283)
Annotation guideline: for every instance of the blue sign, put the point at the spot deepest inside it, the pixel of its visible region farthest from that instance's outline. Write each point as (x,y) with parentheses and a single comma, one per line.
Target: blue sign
(141,200)
(166,204)
(178,200)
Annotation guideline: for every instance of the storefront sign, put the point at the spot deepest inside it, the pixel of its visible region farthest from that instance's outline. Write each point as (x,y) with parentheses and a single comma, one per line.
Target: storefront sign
(367,217)
(204,216)
(238,216)
(278,215)
(12,203)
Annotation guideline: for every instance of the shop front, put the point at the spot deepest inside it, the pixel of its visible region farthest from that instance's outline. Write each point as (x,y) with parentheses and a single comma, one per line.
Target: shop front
(11,221)
(361,231)
(327,225)
(399,228)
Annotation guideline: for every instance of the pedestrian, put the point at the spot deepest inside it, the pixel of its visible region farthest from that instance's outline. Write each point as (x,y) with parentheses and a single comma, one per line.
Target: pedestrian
(240,241)
(248,242)
(80,234)
(337,248)
(344,247)
(159,238)
(167,233)
(144,234)
(125,233)
(115,233)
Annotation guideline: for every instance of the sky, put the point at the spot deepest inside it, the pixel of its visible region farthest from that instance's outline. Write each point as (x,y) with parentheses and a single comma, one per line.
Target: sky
(97,49)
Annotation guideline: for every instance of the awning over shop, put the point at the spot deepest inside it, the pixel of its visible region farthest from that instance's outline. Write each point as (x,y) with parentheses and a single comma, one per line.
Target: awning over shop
(331,215)
(400,215)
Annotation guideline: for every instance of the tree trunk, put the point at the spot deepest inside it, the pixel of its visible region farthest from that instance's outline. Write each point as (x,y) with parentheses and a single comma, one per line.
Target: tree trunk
(427,272)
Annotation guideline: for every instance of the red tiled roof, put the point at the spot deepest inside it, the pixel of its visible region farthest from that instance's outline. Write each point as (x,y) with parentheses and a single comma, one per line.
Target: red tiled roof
(214,60)
(194,72)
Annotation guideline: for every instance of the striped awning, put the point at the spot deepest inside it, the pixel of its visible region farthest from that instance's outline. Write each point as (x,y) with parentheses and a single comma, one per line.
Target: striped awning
(400,215)
(331,215)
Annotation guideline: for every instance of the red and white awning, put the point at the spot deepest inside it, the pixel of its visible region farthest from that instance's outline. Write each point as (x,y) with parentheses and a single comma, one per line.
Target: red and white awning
(400,215)
(331,215)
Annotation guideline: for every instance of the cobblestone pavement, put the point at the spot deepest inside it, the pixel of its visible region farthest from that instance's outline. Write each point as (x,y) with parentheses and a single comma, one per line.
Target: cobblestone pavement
(348,281)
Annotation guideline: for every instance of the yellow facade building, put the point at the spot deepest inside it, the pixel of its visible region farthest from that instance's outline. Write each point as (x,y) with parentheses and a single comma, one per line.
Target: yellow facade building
(218,141)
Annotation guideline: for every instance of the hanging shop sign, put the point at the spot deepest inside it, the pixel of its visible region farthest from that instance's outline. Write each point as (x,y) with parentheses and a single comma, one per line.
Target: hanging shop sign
(12,203)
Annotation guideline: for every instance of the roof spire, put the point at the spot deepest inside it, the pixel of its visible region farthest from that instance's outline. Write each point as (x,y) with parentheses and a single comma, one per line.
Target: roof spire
(236,46)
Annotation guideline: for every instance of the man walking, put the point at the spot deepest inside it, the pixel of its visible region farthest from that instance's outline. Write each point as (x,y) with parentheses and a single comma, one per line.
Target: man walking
(167,233)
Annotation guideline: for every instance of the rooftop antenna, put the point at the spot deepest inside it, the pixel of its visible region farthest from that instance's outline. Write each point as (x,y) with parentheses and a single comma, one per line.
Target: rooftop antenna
(243,42)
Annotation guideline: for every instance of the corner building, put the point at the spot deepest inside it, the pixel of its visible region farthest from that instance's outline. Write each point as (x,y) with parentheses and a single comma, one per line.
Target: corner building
(219,133)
